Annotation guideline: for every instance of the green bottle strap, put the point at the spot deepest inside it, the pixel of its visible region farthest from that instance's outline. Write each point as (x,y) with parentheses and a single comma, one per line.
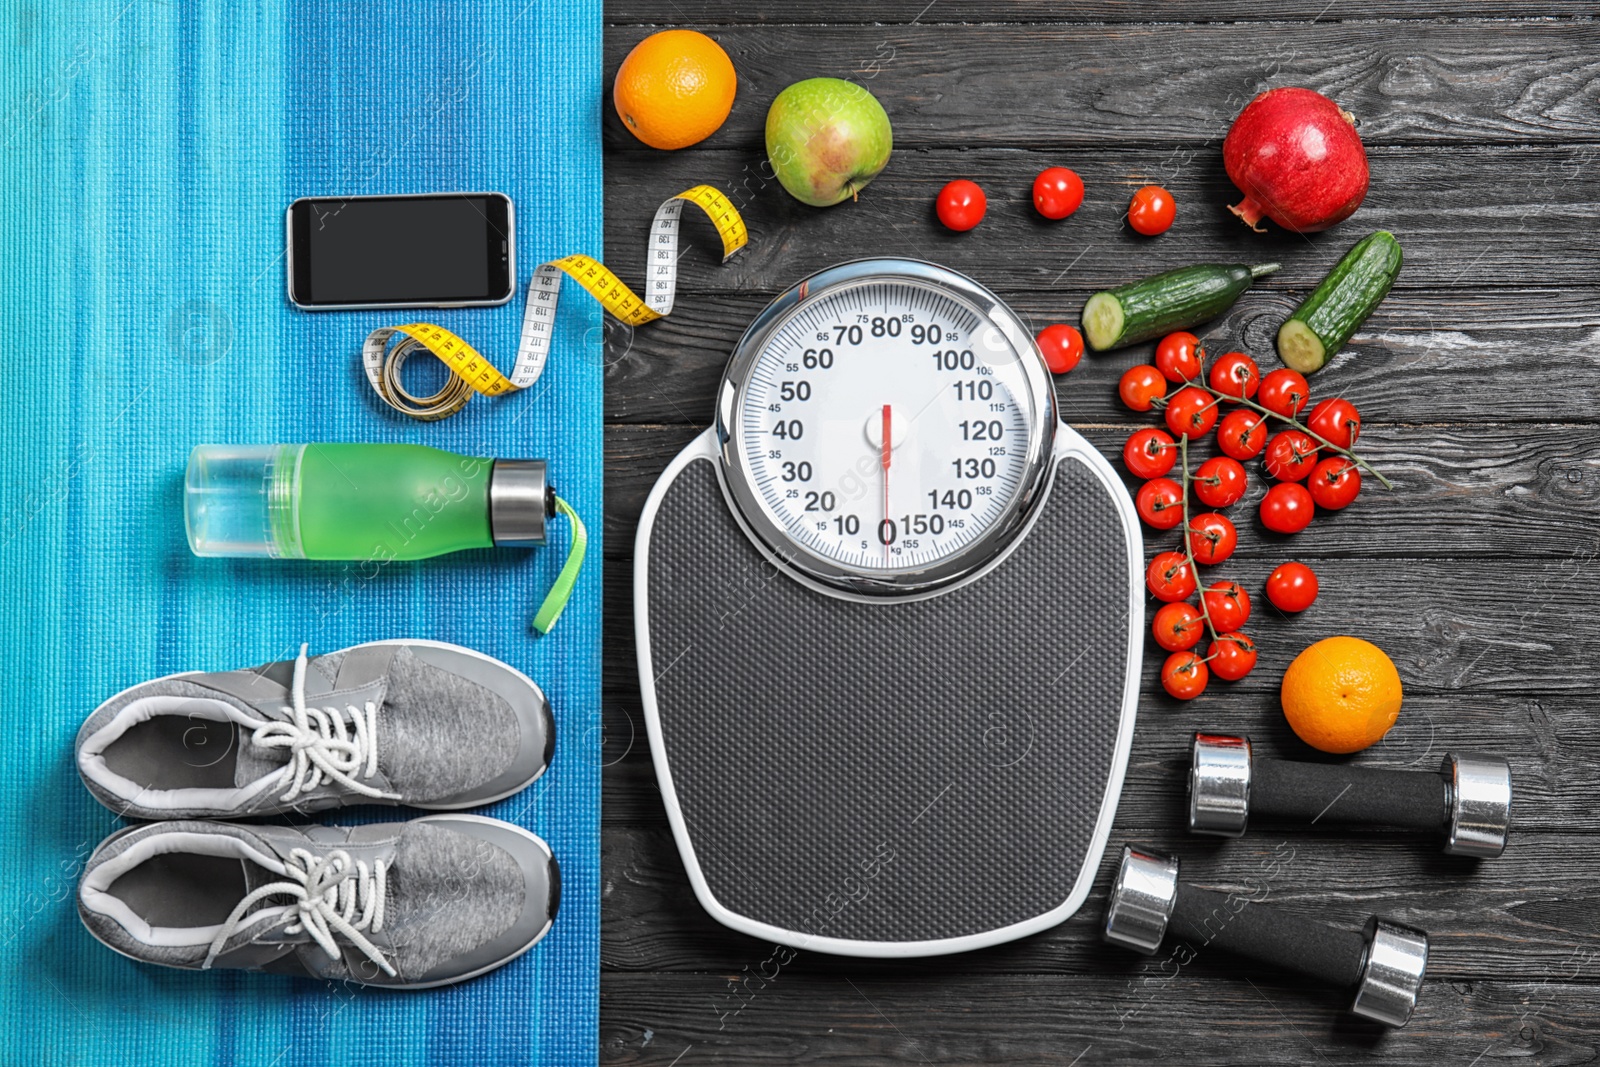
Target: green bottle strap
(555,601)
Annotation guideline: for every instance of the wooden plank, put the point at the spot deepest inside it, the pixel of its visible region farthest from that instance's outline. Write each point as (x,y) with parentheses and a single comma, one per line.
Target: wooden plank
(1093,86)
(622,16)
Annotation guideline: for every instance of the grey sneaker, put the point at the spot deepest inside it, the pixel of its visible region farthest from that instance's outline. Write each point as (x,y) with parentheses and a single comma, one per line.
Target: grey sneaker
(393,722)
(405,905)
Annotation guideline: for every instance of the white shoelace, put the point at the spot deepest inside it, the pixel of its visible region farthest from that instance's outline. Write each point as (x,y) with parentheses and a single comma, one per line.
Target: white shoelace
(320,745)
(327,891)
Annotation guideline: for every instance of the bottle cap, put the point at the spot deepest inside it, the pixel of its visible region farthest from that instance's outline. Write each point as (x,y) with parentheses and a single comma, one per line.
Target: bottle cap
(520,502)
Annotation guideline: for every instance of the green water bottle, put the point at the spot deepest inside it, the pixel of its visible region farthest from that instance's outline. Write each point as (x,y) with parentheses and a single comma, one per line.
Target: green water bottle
(372,503)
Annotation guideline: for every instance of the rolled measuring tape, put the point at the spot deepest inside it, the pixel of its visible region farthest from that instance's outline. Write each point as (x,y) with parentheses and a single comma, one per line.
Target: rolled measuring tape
(386,349)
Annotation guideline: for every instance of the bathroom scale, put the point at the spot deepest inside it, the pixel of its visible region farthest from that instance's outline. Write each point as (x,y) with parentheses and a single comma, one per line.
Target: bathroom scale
(889,614)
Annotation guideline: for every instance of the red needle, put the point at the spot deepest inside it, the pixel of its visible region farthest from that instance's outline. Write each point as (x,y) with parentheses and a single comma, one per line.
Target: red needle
(885,453)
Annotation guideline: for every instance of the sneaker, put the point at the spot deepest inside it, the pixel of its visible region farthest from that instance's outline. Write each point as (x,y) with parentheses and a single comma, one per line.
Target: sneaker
(406,905)
(393,722)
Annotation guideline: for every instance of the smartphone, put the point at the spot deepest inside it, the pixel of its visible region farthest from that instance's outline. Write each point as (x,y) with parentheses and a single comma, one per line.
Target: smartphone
(425,251)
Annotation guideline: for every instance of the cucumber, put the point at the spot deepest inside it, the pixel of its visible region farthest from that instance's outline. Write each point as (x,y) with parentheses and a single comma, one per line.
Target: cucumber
(1336,309)
(1175,300)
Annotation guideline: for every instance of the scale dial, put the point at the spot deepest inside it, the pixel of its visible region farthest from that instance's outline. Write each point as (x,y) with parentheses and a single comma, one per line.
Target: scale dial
(885,426)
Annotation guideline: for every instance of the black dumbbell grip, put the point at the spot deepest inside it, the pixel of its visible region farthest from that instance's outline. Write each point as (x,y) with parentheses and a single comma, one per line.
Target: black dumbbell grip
(1337,795)
(1260,932)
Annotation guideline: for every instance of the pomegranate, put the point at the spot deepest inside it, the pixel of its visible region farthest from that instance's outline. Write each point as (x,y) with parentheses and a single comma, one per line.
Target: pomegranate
(1298,160)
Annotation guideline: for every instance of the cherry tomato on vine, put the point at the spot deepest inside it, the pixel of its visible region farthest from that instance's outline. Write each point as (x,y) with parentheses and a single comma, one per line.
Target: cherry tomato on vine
(1057,192)
(1180,357)
(1212,538)
(1228,605)
(1191,412)
(1334,483)
(1149,453)
(1184,676)
(1287,508)
(961,205)
(1242,435)
(1152,210)
(1232,656)
(1062,346)
(1290,455)
(1236,375)
(1220,481)
(1160,503)
(1336,421)
(1141,386)
(1292,587)
(1178,626)
(1170,577)
(1284,392)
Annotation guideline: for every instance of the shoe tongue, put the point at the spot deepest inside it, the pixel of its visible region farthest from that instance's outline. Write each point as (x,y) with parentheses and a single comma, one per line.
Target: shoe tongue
(254,762)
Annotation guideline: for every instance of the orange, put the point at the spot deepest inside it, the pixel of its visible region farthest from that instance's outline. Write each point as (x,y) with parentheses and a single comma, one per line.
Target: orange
(675,89)
(1341,694)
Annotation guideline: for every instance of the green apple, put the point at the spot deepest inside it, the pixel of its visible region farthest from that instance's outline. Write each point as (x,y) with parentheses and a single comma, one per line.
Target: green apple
(827,138)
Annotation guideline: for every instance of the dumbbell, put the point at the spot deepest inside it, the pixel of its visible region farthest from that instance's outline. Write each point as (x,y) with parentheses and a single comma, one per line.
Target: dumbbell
(1468,800)
(1383,963)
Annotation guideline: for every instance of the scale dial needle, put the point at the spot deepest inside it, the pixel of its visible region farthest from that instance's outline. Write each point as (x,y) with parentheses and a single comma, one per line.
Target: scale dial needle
(885,454)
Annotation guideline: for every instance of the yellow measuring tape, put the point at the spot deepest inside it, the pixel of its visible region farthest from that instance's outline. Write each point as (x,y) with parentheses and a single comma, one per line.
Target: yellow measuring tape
(386,349)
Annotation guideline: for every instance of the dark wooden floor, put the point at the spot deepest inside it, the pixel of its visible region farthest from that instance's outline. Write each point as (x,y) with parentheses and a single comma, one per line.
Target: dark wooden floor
(1479,380)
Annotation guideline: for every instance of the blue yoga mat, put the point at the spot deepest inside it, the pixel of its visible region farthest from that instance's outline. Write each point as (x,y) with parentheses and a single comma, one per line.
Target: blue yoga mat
(150,150)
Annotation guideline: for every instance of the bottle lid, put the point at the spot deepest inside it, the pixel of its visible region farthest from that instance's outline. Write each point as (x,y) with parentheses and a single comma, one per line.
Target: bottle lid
(521,502)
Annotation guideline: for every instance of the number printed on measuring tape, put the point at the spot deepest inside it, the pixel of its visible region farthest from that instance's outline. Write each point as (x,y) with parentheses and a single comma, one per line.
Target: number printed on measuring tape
(386,349)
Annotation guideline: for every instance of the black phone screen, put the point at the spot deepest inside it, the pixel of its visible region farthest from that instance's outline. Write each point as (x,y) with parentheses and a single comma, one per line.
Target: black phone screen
(401,250)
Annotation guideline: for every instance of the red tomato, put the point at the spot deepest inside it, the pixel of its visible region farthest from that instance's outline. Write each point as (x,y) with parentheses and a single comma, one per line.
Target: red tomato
(1160,503)
(1152,210)
(1062,346)
(1236,375)
(1191,412)
(1232,656)
(1170,577)
(1284,392)
(1220,481)
(961,205)
(1228,605)
(1292,587)
(1141,386)
(1180,357)
(1334,483)
(1149,453)
(1178,626)
(1057,192)
(1212,538)
(1290,455)
(1243,434)
(1184,676)
(1287,508)
(1336,421)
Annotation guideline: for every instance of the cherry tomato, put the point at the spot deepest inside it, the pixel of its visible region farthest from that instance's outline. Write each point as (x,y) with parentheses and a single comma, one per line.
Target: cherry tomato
(1334,483)
(1062,346)
(1220,481)
(1149,453)
(1292,587)
(1232,656)
(1336,421)
(1141,386)
(1152,210)
(1170,577)
(1191,412)
(961,205)
(1290,455)
(1212,538)
(1243,434)
(1178,626)
(1287,508)
(1228,605)
(1160,503)
(1235,374)
(1180,357)
(1184,676)
(1284,392)
(1057,192)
